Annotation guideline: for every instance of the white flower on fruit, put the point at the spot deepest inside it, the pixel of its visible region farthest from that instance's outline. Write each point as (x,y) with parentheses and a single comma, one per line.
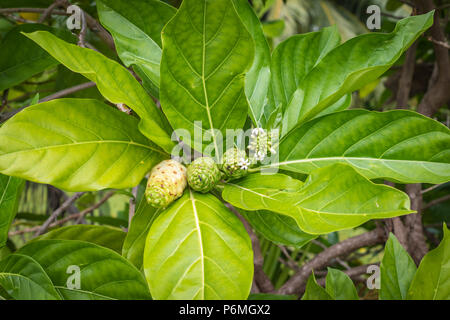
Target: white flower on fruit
(243,163)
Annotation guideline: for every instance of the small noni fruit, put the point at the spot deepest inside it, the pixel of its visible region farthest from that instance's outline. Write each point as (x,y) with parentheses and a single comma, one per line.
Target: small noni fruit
(234,164)
(203,174)
(166,183)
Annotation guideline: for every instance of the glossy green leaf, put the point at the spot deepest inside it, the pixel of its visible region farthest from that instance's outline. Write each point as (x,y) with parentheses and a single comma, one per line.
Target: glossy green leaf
(104,236)
(315,292)
(110,221)
(133,247)
(76,145)
(351,66)
(397,271)
(21,58)
(23,278)
(257,79)
(203,69)
(113,81)
(10,191)
(137,41)
(397,145)
(104,274)
(198,249)
(332,198)
(277,228)
(432,279)
(294,58)
(339,285)
(149,16)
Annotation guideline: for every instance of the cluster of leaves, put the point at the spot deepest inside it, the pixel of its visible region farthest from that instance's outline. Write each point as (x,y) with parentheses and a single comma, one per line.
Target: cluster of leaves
(400,278)
(209,62)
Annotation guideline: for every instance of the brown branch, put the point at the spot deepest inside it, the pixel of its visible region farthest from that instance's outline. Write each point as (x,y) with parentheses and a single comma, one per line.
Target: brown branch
(56,95)
(438,94)
(298,280)
(83,31)
(92,23)
(68,218)
(432,188)
(441,43)
(80,216)
(58,212)
(68,91)
(353,273)
(14,18)
(48,12)
(33,10)
(95,26)
(290,263)
(417,245)
(436,201)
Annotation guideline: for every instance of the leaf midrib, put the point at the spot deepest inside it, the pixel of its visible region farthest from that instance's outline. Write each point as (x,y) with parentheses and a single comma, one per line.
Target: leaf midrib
(84,143)
(200,240)
(347,158)
(298,206)
(208,111)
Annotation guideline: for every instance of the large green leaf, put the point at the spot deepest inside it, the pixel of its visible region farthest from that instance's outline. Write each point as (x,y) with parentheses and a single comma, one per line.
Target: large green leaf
(257,79)
(114,82)
(10,190)
(432,279)
(104,236)
(104,274)
(137,41)
(397,271)
(203,69)
(198,249)
(288,72)
(149,16)
(315,292)
(351,66)
(23,278)
(332,199)
(294,58)
(339,285)
(397,145)
(277,228)
(21,58)
(76,145)
(133,247)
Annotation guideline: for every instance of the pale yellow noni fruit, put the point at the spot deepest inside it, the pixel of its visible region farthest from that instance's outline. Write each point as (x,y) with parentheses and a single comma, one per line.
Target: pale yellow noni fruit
(166,183)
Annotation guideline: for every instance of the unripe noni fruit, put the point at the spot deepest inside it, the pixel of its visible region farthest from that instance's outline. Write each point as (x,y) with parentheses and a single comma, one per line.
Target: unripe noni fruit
(203,174)
(234,163)
(166,183)
(260,144)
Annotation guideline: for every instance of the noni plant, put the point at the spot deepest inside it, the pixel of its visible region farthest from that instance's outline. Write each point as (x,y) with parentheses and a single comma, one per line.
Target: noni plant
(222,135)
